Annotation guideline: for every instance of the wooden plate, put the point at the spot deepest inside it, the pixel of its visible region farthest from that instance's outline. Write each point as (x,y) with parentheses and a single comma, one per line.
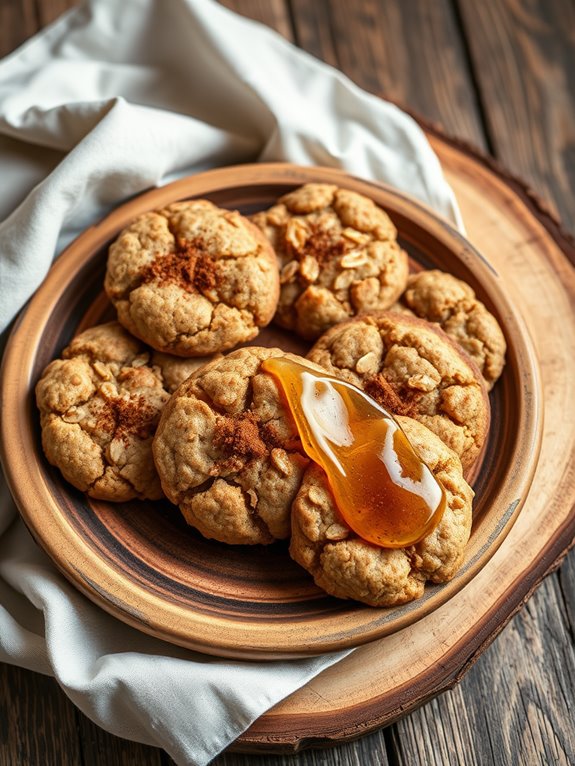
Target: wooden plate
(139,561)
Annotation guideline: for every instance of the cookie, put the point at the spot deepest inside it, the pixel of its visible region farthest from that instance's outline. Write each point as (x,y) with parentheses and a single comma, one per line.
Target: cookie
(346,566)
(192,279)
(411,367)
(338,257)
(228,453)
(442,298)
(99,407)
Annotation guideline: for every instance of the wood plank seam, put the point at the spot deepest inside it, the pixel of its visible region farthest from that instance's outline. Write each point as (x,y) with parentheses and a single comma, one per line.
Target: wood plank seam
(537,204)
(474,80)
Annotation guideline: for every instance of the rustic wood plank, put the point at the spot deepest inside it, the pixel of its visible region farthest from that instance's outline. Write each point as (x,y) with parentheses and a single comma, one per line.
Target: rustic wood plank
(98,747)
(355,60)
(273,13)
(566,578)
(37,722)
(18,21)
(408,52)
(514,706)
(39,725)
(371,749)
(314,29)
(49,10)
(524,57)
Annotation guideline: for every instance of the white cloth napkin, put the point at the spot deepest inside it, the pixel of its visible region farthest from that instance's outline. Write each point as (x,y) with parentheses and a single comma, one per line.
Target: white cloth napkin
(112,99)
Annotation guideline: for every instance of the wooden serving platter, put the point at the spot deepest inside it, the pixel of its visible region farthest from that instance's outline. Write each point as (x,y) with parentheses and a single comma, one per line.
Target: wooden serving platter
(139,561)
(387,679)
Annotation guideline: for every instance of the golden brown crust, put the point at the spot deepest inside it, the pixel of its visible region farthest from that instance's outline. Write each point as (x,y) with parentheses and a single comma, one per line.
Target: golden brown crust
(442,298)
(412,368)
(348,567)
(192,279)
(99,408)
(338,256)
(228,452)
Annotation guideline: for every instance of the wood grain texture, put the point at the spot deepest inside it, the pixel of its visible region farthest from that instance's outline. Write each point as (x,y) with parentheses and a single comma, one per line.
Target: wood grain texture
(409,52)
(524,57)
(368,751)
(314,30)
(37,721)
(566,580)
(18,22)
(49,11)
(97,748)
(272,13)
(526,683)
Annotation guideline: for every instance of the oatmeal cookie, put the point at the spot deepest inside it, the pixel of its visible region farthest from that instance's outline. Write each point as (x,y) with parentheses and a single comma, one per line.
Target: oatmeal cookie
(228,452)
(442,298)
(99,407)
(192,279)
(346,566)
(411,367)
(338,257)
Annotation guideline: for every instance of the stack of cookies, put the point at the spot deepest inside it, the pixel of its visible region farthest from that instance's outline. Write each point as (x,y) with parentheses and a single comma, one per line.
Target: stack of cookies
(156,404)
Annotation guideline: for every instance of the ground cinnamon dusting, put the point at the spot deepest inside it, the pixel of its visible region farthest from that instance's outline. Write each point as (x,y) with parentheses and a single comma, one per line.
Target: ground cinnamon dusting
(321,244)
(381,390)
(240,436)
(188,267)
(126,417)
(246,436)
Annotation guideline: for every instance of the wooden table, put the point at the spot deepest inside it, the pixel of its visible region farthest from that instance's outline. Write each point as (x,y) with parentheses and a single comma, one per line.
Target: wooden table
(499,74)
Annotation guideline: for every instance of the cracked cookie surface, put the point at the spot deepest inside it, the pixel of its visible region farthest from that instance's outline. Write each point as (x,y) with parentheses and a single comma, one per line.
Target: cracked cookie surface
(338,256)
(228,452)
(346,566)
(99,407)
(411,367)
(192,279)
(440,297)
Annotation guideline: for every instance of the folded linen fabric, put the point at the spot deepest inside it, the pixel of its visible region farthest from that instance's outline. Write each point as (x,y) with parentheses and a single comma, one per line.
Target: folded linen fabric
(112,99)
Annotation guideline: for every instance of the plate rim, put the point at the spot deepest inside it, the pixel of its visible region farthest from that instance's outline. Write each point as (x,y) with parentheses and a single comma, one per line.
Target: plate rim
(26,493)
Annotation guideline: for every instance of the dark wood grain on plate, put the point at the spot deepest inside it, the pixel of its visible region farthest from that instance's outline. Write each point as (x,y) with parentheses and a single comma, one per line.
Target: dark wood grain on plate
(140,562)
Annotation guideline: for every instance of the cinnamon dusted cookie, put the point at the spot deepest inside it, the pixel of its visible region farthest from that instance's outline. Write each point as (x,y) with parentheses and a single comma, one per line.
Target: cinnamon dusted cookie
(411,367)
(442,298)
(192,279)
(99,407)
(347,567)
(228,452)
(338,257)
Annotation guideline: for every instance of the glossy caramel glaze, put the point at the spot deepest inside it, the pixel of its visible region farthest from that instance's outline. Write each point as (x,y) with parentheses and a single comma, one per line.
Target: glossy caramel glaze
(383,490)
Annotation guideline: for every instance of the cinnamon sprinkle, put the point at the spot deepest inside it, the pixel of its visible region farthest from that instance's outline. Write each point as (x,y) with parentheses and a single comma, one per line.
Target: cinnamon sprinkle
(240,436)
(245,436)
(320,244)
(188,267)
(125,417)
(380,389)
